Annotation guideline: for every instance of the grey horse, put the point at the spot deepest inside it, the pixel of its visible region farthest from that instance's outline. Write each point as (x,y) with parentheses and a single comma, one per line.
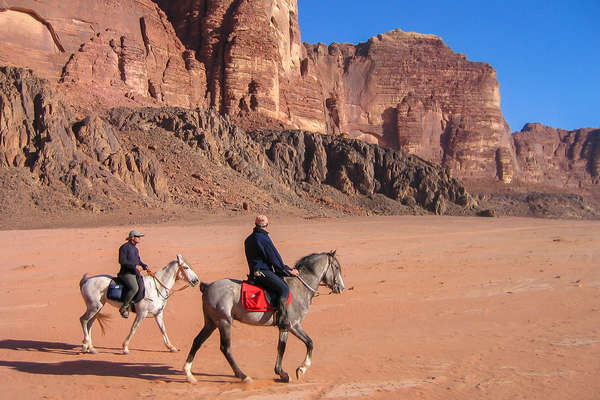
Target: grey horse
(221,304)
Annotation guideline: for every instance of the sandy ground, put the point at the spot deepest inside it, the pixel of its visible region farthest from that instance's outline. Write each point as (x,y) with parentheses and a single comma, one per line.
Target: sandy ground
(435,308)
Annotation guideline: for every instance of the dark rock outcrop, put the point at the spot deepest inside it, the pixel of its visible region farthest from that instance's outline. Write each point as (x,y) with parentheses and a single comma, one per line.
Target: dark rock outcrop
(103,165)
(38,133)
(290,159)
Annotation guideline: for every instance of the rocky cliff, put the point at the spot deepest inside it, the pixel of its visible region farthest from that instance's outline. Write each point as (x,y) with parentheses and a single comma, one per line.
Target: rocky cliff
(558,157)
(245,59)
(173,157)
(401,90)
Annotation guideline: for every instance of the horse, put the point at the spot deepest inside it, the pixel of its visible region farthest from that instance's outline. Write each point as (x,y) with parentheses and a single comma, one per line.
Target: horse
(157,287)
(221,304)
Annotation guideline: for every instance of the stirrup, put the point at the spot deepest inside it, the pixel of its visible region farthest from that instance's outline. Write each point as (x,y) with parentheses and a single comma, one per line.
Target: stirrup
(124,312)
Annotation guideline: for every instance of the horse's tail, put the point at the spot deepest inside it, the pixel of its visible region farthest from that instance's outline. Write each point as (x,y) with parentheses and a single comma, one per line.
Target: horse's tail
(103,322)
(83,279)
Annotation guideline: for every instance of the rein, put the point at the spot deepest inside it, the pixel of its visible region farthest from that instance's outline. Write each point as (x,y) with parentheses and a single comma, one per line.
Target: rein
(169,292)
(308,286)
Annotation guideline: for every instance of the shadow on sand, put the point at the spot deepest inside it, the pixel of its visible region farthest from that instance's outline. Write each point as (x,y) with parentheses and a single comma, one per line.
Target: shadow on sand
(35,345)
(147,371)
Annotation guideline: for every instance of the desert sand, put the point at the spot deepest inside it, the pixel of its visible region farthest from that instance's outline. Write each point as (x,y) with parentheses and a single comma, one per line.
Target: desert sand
(434,308)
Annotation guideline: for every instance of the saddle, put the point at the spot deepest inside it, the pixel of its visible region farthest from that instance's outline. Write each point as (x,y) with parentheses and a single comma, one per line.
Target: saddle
(255,298)
(115,291)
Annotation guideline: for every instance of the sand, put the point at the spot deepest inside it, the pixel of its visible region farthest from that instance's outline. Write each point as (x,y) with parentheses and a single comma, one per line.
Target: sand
(434,308)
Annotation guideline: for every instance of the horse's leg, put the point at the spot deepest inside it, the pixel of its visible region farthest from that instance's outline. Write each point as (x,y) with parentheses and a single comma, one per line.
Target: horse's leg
(87,319)
(161,325)
(299,332)
(283,335)
(225,331)
(206,331)
(138,320)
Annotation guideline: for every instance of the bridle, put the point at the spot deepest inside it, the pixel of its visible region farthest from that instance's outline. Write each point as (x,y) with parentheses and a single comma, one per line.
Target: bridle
(180,270)
(316,291)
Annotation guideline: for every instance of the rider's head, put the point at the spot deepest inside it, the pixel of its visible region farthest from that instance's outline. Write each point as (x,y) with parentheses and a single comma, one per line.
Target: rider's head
(134,236)
(261,221)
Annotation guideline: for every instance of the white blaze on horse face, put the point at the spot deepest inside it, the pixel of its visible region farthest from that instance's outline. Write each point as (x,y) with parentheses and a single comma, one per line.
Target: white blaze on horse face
(190,275)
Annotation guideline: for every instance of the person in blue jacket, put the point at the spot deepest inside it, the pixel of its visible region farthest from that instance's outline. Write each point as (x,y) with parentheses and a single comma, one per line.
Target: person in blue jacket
(131,266)
(267,267)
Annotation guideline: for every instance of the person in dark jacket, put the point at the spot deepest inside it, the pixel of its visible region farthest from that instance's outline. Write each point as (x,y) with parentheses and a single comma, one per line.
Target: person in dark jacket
(131,266)
(267,267)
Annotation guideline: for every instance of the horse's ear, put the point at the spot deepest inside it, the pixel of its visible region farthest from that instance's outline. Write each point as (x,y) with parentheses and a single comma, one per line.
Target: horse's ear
(332,253)
(179,260)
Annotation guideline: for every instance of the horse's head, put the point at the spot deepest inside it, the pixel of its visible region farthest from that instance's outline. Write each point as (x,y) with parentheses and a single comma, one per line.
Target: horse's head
(186,272)
(333,274)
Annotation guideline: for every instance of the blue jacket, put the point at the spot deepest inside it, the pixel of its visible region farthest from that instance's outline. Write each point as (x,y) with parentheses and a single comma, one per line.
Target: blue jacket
(129,257)
(261,253)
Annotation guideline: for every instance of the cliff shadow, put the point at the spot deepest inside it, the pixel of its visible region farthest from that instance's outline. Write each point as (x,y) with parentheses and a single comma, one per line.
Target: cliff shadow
(390,128)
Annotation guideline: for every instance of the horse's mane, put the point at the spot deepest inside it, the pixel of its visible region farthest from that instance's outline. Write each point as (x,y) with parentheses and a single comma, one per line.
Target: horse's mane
(307,262)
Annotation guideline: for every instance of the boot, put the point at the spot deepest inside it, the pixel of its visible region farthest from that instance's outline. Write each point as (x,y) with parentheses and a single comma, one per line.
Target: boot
(282,315)
(124,310)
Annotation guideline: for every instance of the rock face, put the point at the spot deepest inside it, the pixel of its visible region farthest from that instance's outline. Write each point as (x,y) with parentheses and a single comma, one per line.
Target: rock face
(308,160)
(245,59)
(400,90)
(102,163)
(128,47)
(38,133)
(558,157)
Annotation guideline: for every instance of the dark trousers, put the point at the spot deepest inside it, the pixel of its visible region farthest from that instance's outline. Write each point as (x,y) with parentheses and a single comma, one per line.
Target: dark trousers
(273,283)
(131,287)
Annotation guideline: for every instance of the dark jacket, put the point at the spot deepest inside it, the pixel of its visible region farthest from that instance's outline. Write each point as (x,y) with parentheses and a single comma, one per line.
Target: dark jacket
(129,257)
(261,253)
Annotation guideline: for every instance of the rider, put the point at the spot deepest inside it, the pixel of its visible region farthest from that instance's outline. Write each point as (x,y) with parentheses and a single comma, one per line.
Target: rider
(267,267)
(131,266)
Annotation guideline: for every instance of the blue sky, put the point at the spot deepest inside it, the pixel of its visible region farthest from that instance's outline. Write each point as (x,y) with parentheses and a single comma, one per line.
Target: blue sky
(546,53)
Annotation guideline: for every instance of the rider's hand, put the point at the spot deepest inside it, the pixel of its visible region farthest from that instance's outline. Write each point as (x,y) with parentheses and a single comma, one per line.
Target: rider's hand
(139,268)
(293,271)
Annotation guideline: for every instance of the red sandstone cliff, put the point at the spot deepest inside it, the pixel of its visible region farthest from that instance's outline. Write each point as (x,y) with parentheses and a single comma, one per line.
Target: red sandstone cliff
(406,91)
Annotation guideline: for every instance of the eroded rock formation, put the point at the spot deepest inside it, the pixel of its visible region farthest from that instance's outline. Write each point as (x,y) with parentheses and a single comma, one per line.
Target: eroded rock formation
(245,58)
(95,159)
(38,133)
(558,157)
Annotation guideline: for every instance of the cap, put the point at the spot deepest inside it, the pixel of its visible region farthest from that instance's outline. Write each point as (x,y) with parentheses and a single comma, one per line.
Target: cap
(134,233)
(261,220)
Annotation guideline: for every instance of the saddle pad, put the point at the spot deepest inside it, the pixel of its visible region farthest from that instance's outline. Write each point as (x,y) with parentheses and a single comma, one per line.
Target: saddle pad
(254,298)
(115,290)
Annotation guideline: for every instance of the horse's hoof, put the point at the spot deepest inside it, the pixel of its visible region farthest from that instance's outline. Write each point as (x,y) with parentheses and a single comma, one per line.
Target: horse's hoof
(300,373)
(285,378)
(190,378)
(93,350)
(125,351)
(247,380)
(173,349)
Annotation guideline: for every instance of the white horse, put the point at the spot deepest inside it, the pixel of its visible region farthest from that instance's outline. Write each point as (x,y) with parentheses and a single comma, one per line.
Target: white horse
(157,286)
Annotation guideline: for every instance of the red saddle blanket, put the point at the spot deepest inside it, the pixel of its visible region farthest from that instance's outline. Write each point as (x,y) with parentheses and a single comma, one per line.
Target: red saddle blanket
(254,298)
